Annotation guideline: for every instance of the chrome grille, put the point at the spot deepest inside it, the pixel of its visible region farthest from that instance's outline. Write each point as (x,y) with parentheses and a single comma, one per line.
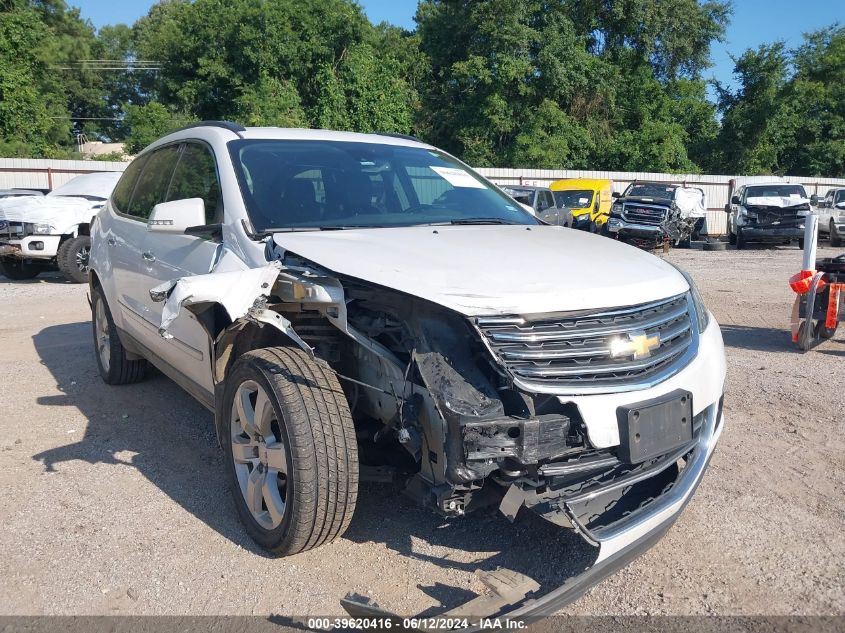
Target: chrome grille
(595,351)
(643,213)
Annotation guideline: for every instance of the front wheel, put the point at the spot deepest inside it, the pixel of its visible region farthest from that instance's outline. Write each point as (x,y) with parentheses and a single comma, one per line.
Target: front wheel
(740,240)
(72,258)
(835,239)
(801,243)
(291,453)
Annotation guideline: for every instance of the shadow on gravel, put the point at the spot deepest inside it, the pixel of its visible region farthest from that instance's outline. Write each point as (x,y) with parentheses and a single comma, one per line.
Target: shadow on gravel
(761,339)
(172,436)
(43,278)
(174,446)
(530,545)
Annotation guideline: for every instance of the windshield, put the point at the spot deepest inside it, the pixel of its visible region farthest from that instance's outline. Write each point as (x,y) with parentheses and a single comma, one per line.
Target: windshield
(575,199)
(651,190)
(304,184)
(776,191)
(523,195)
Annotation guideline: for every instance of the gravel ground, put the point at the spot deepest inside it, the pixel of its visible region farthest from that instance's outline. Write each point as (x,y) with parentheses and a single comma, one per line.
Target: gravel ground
(114,499)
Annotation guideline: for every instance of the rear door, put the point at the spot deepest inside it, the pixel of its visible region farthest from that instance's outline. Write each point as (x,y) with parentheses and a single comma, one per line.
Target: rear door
(170,256)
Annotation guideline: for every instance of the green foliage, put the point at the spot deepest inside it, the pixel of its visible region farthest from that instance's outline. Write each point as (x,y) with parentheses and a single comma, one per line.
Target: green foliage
(146,123)
(602,84)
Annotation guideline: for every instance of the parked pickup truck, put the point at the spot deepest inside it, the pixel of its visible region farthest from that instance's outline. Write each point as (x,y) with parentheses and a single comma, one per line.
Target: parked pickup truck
(538,199)
(39,232)
(650,214)
(831,212)
(771,212)
(580,203)
(339,298)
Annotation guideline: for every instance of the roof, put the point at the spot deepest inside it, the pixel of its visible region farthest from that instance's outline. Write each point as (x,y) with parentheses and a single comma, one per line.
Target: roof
(568,184)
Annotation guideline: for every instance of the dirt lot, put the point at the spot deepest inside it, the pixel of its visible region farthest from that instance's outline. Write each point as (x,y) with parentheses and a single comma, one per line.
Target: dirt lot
(114,499)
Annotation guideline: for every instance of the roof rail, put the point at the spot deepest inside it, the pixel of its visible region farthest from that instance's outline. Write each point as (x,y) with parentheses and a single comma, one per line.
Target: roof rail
(237,128)
(407,137)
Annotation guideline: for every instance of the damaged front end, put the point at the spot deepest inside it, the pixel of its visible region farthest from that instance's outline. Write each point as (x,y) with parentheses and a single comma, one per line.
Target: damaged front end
(468,412)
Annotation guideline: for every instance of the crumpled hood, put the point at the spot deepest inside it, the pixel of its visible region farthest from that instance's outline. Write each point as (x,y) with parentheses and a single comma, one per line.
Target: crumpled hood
(44,208)
(489,270)
(781,202)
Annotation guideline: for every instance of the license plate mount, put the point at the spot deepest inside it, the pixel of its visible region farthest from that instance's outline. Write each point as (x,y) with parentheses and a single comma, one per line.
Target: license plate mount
(654,427)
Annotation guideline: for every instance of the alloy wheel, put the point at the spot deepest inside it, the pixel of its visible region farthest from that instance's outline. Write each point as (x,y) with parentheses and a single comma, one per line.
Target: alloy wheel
(101,329)
(259,454)
(82,258)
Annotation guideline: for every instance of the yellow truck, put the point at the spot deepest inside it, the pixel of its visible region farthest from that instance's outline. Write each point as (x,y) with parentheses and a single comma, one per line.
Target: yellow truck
(580,203)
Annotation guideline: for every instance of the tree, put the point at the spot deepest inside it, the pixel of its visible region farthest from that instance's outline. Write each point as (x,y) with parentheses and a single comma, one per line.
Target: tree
(146,123)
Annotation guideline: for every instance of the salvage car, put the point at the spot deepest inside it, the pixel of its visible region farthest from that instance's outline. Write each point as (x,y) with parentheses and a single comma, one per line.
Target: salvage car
(769,212)
(831,212)
(538,200)
(39,233)
(580,203)
(652,214)
(427,331)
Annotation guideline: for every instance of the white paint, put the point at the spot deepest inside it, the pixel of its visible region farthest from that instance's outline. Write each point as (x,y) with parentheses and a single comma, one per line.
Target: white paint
(490,270)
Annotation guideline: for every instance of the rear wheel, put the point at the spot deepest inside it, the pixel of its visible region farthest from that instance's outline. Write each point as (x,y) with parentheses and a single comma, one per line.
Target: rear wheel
(115,368)
(17,270)
(291,453)
(73,258)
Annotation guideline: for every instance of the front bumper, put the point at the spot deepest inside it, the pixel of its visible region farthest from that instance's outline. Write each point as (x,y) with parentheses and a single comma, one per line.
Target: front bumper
(31,247)
(770,233)
(618,545)
(623,228)
(581,222)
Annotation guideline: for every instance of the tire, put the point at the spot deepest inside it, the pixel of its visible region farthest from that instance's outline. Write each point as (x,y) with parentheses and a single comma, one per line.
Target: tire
(732,239)
(740,240)
(835,239)
(17,270)
(293,470)
(825,332)
(115,368)
(801,243)
(73,257)
(714,246)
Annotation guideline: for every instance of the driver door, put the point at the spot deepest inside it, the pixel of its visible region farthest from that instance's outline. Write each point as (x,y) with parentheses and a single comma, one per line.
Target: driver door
(170,256)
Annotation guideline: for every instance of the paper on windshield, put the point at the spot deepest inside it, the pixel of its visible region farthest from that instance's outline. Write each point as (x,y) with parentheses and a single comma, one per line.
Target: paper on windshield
(457,177)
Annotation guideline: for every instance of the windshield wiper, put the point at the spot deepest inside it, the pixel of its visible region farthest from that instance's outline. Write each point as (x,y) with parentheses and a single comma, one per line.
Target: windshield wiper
(480,221)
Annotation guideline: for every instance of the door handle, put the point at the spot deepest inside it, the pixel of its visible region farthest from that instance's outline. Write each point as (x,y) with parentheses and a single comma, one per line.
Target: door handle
(111,241)
(148,256)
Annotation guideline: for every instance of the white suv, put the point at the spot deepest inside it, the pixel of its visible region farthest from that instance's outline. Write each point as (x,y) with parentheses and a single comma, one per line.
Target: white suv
(339,298)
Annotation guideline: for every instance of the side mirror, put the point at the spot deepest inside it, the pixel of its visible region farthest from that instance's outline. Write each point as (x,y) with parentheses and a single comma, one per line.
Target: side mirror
(814,200)
(177,215)
(734,199)
(727,208)
(616,194)
(840,205)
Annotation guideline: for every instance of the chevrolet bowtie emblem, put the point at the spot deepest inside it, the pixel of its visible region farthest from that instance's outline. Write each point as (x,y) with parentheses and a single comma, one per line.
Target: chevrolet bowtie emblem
(638,345)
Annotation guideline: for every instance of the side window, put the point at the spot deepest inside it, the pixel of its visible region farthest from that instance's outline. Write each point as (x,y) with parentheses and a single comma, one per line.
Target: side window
(152,185)
(122,194)
(196,177)
(548,199)
(840,196)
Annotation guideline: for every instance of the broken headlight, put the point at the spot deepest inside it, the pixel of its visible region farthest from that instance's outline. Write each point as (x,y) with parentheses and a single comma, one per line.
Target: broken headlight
(701,313)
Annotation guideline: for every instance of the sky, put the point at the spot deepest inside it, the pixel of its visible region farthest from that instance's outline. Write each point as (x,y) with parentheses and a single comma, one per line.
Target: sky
(754,22)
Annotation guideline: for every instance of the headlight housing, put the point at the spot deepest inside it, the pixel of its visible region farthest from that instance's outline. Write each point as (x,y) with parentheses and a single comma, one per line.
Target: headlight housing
(616,208)
(42,229)
(701,313)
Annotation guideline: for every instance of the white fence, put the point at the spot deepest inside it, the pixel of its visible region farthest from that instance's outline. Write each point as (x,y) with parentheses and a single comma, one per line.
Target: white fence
(717,188)
(49,174)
